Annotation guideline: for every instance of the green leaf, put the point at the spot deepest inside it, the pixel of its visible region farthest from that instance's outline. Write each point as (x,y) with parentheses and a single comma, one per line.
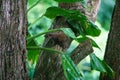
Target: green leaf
(109,70)
(53,12)
(30,2)
(33,54)
(76,19)
(80,39)
(84,27)
(70,70)
(91,29)
(76,27)
(69,0)
(94,44)
(68,32)
(96,63)
(83,38)
(100,65)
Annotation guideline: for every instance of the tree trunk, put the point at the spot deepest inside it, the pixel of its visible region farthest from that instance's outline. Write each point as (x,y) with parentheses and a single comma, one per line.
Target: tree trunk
(112,54)
(13,24)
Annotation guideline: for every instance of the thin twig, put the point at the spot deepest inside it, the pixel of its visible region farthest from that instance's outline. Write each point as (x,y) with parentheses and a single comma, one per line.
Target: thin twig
(46,49)
(35,22)
(33,6)
(46,32)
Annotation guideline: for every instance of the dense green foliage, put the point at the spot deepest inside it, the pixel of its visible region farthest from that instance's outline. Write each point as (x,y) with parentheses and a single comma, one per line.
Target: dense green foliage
(39,23)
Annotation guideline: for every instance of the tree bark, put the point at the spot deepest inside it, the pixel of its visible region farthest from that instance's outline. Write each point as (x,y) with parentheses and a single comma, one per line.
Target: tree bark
(13,25)
(112,54)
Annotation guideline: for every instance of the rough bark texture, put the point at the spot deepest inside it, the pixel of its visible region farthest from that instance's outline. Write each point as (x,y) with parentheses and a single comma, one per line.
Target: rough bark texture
(112,54)
(49,64)
(13,39)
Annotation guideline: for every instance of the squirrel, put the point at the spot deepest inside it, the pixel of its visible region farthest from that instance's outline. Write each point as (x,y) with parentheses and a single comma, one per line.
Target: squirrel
(90,11)
(59,38)
(58,41)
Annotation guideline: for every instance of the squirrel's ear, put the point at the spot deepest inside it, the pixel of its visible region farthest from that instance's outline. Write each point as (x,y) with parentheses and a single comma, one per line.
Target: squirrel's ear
(60,36)
(48,35)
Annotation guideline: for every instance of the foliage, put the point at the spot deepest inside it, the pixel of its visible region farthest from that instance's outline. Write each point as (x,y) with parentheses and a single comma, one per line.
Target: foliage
(69,1)
(79,22)
(99,65)
(70,69)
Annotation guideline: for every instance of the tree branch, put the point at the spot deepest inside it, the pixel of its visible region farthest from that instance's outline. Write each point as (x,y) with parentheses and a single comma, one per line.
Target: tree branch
(83,50)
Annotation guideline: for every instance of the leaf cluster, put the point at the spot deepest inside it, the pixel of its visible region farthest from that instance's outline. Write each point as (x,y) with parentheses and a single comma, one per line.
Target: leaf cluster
(81,25)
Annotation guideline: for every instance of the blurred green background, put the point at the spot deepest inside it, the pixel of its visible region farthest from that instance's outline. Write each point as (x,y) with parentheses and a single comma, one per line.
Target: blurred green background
(43,23)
